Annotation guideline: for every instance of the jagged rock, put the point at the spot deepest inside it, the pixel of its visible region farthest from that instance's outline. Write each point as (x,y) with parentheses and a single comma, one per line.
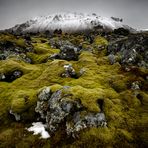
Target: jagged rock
(132,49)
(2,76)
(135,85)
(41,108)
(111,58)
(82,71)
(9,49)
(9,77)
(59,43)
(42,104)
(81,122)
(44,94)
(121,31)
(16,115)
(117,19)
(16,74)
(101,47)
(69,71)
(68,52)
(2,56)
(58,107)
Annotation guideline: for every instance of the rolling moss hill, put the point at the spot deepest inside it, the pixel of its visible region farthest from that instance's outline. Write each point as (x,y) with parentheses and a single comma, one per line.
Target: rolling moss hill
(126,112)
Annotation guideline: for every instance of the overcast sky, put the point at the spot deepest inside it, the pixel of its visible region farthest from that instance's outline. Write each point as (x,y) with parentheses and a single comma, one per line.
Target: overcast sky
(133,12)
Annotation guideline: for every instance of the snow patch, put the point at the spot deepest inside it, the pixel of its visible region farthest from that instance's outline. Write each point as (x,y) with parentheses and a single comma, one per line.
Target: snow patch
(39,128)
(69,22)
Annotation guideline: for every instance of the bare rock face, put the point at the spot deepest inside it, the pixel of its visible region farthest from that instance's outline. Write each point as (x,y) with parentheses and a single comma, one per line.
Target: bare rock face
(57,108)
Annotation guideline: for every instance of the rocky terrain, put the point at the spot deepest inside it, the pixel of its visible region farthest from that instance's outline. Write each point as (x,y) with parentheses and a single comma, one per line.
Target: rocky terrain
(74,89)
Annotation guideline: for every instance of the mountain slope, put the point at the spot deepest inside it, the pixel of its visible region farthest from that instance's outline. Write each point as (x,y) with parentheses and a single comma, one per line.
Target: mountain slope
(69,22)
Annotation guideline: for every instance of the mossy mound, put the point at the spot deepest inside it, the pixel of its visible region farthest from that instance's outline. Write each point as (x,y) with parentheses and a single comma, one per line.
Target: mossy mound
(101,87)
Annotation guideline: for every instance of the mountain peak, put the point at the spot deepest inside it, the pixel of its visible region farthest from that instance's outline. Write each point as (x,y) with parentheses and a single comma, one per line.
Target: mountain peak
(69,22)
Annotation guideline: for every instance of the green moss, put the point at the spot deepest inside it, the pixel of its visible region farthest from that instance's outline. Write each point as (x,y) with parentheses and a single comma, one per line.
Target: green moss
(5,137)
(20,42)
(125,109)
(11,38)
(126,135)
(119,85)
(100,41)
(55,87)
(42,51)
(22,100)
(17,136)
(94,137)
(87,97)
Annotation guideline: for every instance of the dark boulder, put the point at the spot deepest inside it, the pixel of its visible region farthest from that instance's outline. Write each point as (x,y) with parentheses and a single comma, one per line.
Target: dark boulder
(11,76)
(69,53)
(121,31)
(133,50)
(58,108)
(69,71)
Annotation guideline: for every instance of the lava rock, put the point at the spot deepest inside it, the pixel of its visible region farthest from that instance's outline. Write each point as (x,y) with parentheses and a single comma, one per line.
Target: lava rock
(11,76)
(2,77)
(121,31)
(9,49)
(133,50)
(68,52)
(56,108)
(111,58)
(54,43)
(80,122)
(69,71)
(44,94)
(59,108)
(16,115)
(42,103)
(135,85)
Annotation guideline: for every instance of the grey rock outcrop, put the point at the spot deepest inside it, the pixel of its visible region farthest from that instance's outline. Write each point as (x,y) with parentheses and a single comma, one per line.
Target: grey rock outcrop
(42,103)
(67,50)
(133,50)
(80,122)
(58,108)
(69,71)
(9,49)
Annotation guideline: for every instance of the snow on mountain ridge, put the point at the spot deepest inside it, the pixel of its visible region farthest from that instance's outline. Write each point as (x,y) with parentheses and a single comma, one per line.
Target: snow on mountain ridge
(69,22)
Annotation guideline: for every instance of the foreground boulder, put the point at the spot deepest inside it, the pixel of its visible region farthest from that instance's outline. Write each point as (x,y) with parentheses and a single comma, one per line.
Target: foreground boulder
(56,109)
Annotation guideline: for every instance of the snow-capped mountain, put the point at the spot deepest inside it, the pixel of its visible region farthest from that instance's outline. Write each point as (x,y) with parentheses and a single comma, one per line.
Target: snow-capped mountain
(69,22)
